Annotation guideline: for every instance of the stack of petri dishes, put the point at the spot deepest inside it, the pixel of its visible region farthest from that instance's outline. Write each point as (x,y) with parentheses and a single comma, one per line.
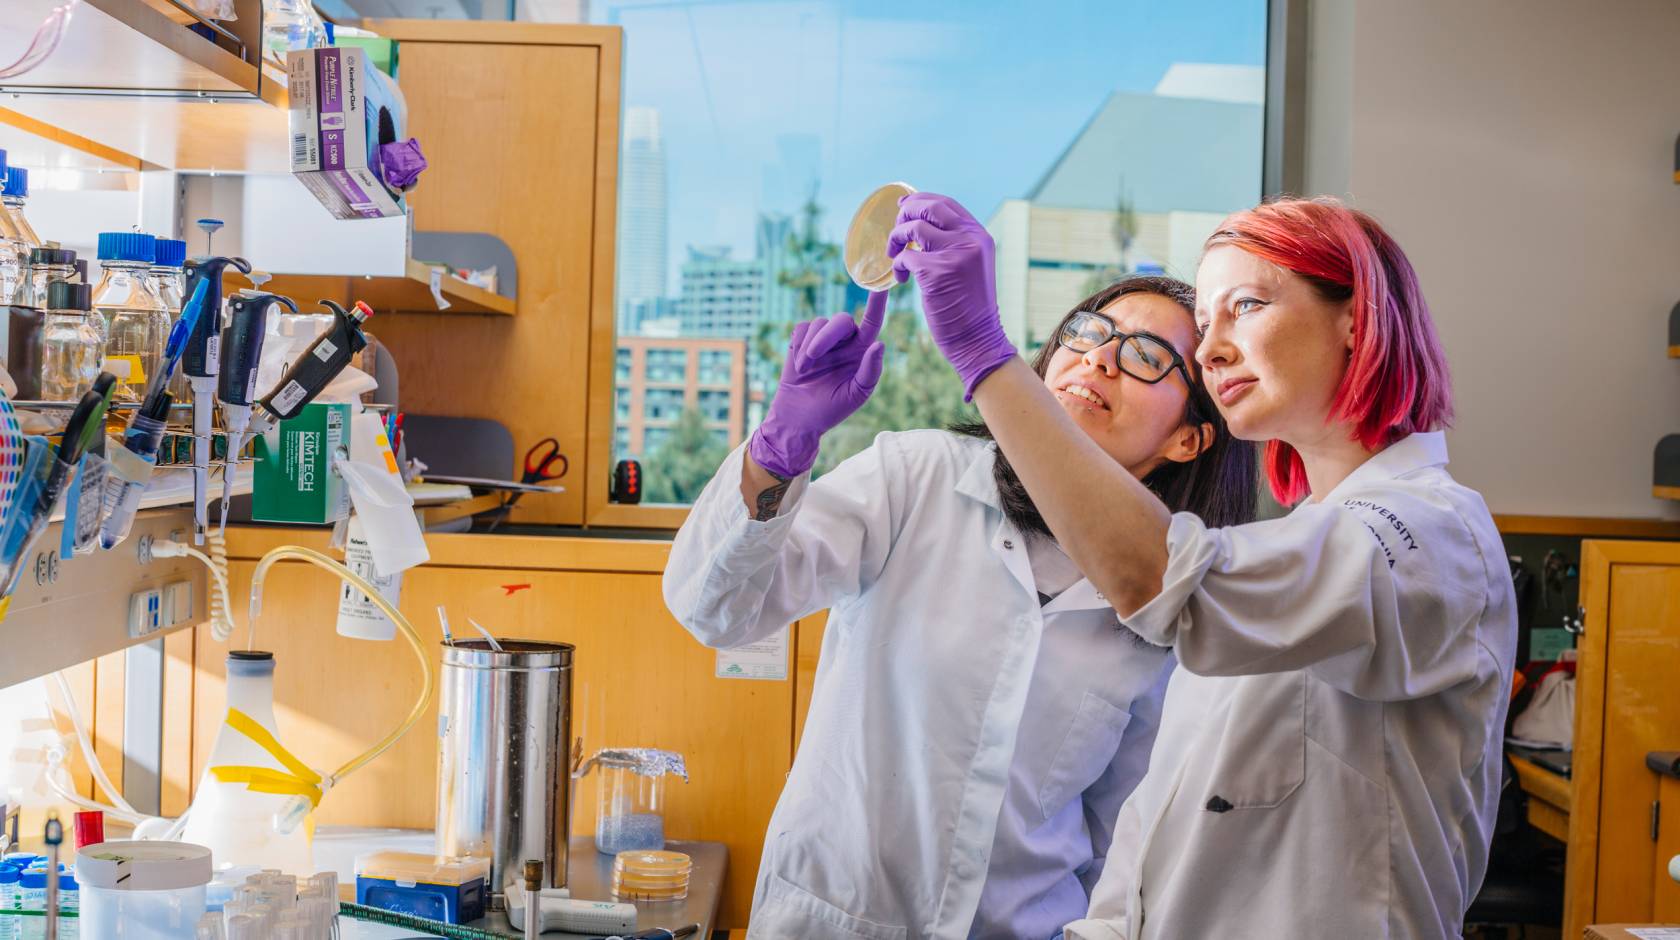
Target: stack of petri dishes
(651,876)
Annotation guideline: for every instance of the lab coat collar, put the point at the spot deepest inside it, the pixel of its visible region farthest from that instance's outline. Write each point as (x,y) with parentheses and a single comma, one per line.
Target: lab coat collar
(1409,454)
(977,483)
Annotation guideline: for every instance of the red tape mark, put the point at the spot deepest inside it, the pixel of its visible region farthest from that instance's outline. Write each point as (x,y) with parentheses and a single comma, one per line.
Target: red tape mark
(512,588)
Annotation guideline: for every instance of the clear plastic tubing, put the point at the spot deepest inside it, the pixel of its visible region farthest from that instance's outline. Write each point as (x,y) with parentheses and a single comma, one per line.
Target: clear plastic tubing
(130,470)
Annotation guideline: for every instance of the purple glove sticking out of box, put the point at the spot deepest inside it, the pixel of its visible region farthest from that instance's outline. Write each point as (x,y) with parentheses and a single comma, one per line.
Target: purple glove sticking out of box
(832,367)
(400,163)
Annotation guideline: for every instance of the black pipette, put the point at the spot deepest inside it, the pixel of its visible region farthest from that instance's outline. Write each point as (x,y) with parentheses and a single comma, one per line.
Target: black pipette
(202,361)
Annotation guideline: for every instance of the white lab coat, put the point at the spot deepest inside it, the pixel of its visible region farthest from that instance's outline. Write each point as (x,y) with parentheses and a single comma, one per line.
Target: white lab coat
(1329,757)
(966,751)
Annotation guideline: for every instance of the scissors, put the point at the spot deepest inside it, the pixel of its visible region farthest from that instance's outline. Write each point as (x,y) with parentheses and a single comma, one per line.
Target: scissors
(540,467)
(540,461)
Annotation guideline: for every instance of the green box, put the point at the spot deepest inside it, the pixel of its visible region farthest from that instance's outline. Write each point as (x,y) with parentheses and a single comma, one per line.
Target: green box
(1549,644)
(295,478)
(382,52)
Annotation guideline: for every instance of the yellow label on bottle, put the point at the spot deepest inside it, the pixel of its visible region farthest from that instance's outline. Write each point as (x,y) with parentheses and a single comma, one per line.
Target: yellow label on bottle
(135,374)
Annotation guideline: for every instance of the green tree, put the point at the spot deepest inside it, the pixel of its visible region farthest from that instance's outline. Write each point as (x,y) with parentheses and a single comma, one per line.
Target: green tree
(918,388)
(677,471)
(813,260)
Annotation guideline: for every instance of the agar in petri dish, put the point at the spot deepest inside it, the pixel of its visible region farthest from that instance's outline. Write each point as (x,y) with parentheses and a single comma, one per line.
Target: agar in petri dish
(866,238)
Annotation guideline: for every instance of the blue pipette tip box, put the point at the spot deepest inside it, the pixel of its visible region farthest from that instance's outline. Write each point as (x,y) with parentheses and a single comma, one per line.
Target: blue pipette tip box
(451,890)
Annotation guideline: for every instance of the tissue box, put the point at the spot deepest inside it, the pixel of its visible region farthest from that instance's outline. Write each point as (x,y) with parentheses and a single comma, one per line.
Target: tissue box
(295,480)
(335,95)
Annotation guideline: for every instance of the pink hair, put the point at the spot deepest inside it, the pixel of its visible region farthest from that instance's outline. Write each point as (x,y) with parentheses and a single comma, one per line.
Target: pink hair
(1396,381)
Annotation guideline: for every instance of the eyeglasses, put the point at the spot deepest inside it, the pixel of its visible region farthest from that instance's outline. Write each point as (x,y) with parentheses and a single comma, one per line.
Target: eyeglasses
(1142,356)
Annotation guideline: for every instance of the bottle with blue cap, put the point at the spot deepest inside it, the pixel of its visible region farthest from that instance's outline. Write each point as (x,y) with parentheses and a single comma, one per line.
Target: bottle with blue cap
(135,321)
(17,236)
(169,276)
(11,899)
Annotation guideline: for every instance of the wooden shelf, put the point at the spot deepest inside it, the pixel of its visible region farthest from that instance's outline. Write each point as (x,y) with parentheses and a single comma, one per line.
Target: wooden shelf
(132,85)
(1588,526)
(410,293)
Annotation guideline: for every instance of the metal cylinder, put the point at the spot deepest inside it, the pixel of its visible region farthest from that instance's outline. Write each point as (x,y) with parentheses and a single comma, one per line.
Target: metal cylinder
(504,722)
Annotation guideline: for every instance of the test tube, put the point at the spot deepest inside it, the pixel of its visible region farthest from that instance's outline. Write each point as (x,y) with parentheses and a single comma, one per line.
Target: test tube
(211,927)
(245,927)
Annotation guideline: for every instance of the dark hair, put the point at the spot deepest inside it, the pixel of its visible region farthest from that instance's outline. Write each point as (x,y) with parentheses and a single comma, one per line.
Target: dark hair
(1220,485)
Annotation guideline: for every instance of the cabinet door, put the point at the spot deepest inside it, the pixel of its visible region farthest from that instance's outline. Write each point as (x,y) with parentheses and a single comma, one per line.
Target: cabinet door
(1641,663)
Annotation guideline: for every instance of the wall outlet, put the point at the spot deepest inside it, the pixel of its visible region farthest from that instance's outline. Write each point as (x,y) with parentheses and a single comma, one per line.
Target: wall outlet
(145,610)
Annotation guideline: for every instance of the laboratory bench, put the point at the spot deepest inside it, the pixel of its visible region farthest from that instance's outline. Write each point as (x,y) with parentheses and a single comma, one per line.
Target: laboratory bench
(588,876)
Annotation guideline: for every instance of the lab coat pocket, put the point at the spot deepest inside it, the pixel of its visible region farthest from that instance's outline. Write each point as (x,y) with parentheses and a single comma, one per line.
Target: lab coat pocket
(1263,757)
(1086,751)
(788,910)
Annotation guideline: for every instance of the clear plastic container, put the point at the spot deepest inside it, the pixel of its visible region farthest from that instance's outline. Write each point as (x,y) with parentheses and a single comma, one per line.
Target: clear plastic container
(866,238)
(290,24)
(142,890)
(135,319)
(17,236)
(70,347)
(630,797)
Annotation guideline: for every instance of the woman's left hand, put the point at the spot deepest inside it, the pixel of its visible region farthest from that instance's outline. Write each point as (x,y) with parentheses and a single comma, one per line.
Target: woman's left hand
(950,253)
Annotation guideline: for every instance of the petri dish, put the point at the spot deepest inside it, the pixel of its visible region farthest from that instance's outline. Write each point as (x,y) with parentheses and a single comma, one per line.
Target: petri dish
(866,238)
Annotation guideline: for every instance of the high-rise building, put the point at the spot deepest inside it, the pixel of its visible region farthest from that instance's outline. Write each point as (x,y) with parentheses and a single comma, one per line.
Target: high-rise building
(643,218)
(1165,167)
(776,239)
(657,379)
(721,296)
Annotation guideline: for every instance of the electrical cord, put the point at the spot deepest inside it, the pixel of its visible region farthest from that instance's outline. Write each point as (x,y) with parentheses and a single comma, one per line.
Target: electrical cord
(221,603)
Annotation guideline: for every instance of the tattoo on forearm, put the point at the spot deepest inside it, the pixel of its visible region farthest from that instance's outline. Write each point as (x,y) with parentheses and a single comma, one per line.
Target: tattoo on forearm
(769,502)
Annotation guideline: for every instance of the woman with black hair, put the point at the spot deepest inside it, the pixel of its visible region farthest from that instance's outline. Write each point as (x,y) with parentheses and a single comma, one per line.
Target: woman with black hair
(979,714)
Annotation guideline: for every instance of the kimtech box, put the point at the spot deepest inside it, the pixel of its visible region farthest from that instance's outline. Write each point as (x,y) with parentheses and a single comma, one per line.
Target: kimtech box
(295,480)
(337,97)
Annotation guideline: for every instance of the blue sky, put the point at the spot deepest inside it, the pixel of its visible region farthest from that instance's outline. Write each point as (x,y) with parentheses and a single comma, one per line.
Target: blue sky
(974,99)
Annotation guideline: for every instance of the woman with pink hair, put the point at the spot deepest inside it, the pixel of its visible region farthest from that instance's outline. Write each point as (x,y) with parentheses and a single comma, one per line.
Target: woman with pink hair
(1329,758)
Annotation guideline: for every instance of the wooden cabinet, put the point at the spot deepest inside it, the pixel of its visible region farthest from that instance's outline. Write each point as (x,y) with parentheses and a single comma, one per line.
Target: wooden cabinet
(639,680)
(1624,824)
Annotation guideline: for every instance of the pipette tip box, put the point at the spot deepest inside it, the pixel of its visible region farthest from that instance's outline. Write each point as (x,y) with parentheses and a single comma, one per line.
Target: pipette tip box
(450,890)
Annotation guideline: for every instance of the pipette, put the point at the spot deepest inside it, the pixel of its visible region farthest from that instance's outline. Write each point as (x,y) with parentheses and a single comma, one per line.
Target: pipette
(178,336)
(202,360)
(314,370)
(242,344)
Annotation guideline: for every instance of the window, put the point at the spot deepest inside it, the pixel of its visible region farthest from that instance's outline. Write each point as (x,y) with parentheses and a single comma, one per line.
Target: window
(662,404)
(669,366)
(752,130)
(621,403)
(716,366)
(622,366)
(714,406)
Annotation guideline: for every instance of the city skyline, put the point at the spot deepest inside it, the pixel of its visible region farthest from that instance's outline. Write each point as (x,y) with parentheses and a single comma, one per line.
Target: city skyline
(760,98)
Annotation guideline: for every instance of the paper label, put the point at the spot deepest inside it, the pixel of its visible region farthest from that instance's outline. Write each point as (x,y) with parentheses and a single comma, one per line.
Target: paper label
(213,354)
(287,398)
(766,659)
(357,615)
(437,289)
(324,349)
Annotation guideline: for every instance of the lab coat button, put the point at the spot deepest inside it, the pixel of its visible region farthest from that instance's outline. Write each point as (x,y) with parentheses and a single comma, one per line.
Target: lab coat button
(1219,805)
(1007,544)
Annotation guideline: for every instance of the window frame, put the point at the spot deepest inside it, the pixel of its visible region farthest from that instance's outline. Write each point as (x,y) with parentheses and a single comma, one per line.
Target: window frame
(1283,136)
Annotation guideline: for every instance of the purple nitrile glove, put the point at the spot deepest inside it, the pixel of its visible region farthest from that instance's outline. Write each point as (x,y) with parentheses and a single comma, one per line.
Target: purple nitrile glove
(400,163)
(952,262)
(832,367)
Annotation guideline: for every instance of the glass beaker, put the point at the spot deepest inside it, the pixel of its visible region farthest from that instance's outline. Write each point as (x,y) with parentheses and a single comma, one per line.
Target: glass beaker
(630,797)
